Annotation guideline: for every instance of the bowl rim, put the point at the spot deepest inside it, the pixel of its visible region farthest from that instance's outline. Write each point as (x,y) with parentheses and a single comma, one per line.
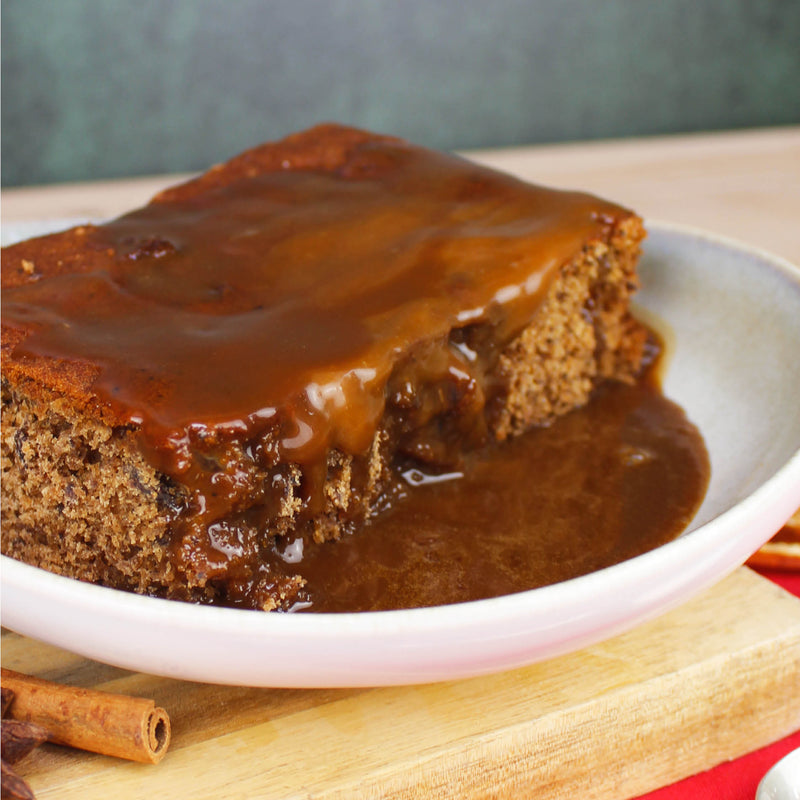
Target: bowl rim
(760,513)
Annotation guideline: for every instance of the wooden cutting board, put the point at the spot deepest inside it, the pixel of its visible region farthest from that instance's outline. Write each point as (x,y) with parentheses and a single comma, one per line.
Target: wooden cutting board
(710,681)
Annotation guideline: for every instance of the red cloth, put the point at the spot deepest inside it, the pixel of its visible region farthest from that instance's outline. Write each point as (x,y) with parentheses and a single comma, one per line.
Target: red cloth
(736,780)
(789,580)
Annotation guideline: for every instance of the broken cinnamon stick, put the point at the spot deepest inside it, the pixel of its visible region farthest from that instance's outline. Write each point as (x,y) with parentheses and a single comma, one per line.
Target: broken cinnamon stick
(111,724)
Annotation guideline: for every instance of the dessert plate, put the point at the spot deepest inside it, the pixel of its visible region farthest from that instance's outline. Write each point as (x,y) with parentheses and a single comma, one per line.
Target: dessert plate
(733,319)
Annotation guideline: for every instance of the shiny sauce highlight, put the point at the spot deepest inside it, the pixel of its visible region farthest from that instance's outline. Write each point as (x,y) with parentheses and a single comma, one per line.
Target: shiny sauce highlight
(606,482)
(263,322)
(278,305)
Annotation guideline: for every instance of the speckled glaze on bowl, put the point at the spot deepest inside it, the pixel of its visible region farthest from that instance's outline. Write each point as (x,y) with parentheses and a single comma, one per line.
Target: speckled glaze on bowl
(734,315)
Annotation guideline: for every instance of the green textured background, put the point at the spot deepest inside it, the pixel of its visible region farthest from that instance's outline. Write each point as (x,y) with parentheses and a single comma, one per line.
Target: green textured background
(104,88)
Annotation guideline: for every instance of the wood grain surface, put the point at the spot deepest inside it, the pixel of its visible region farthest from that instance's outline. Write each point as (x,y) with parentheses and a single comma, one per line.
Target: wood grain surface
(705,683)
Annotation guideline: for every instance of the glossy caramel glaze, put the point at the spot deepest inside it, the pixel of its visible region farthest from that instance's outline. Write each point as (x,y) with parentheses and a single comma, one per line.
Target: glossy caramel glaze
(274,336)
(277,305)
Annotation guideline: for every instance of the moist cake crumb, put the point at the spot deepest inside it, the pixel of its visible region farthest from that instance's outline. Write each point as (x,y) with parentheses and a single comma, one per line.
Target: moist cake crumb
(481,306)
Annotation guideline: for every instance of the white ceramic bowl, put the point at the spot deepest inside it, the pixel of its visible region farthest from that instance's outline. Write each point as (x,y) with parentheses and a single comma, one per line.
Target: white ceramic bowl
(735,317)
(782,782)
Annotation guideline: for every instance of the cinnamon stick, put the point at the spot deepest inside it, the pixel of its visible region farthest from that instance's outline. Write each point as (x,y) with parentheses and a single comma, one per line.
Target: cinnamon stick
(115,725)
(782,552)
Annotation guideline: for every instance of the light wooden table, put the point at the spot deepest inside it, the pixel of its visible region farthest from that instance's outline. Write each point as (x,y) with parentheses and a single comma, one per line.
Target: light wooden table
(705,683)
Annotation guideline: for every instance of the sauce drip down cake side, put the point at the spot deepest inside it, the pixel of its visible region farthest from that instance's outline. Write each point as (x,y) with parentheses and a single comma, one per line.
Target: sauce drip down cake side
(259,354)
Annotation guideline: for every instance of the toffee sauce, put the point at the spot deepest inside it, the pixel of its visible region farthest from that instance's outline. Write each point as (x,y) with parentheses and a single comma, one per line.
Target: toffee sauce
(606,482)
(277,307)
(260,323)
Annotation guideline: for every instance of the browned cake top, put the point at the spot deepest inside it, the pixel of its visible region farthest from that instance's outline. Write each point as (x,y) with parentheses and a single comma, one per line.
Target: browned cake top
(283,287)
